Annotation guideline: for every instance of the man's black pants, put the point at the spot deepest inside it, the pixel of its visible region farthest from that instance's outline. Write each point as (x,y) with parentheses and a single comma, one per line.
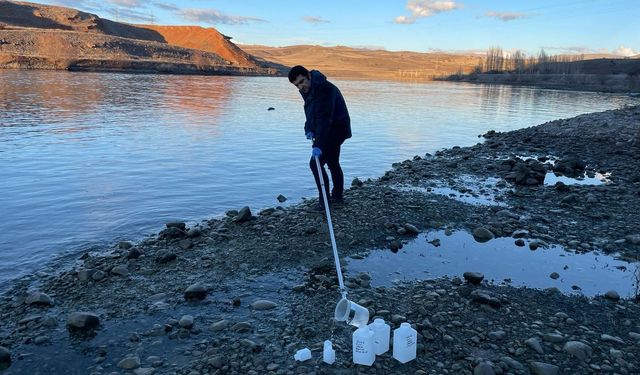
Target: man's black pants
(331,157)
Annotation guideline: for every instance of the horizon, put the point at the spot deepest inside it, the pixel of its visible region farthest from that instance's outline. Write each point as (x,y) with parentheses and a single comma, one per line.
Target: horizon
(572,27)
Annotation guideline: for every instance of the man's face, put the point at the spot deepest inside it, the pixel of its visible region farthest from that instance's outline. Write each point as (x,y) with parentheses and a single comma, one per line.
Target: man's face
(303,83)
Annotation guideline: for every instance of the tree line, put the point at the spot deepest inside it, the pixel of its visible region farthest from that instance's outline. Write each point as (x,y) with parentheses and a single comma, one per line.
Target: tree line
(497,61)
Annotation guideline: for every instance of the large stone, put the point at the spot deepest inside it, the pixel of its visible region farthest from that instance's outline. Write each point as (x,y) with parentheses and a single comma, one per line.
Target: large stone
(541,368)
(129,363)
(482,234)
(534,343)
(612,295)
(39,298)
(483,368)
(473,277)
(485,298)
(196,291)
(85,274)
(177,224)
(120,270)
(82,320)
(165,256)
(411,229)
(5,358)
(243,215)
(579,350)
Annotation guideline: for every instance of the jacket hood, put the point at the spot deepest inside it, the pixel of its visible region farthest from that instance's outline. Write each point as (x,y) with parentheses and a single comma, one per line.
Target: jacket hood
(317,79)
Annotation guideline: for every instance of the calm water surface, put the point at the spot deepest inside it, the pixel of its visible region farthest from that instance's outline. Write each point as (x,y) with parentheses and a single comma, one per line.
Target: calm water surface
(90,159)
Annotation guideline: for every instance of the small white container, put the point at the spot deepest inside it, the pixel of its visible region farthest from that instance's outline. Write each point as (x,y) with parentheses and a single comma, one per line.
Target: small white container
(328,354)
(381,334)
(302,355)
(363,346)
(405,343)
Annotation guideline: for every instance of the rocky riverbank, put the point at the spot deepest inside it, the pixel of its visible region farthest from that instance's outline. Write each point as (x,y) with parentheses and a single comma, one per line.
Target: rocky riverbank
(240,294)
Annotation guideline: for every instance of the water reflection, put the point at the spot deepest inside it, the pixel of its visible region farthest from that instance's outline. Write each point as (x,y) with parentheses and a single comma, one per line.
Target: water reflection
(500,260)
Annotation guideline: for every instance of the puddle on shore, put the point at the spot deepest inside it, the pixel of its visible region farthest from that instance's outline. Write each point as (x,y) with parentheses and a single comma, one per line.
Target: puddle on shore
(70,355)
(467,189)
(552,178)
(501,261)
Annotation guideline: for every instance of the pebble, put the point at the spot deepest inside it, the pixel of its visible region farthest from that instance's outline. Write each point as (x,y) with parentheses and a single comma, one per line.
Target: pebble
(483,368)
(83,320)
(482,234)
(219,325)
(534,343)
(553,337)
(609,338)
(39,298)
(241,327)
(579,350)
(263,305)
(541,368)
(129,363)
(186,321)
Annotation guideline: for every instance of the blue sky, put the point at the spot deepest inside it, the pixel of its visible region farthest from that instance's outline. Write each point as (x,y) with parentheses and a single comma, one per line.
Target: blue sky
(558,26)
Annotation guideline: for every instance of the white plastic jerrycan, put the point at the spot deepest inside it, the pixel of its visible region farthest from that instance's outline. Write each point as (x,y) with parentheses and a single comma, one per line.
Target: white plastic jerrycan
(363,346)
(381,334)
(405,343)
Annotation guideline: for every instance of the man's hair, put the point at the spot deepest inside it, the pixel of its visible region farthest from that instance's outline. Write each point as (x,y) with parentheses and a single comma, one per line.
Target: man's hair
(296,71)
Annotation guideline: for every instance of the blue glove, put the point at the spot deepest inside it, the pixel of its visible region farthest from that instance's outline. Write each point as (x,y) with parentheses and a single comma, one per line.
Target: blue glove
(316,152)
(309,135)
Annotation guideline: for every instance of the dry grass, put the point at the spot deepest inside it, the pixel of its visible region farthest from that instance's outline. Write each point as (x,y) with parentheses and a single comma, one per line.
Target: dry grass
(346,62)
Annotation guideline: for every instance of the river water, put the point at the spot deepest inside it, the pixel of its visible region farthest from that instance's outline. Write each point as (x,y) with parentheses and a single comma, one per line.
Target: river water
(88,159)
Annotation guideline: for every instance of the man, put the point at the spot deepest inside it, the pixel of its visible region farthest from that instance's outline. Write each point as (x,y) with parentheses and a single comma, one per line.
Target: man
(327,124)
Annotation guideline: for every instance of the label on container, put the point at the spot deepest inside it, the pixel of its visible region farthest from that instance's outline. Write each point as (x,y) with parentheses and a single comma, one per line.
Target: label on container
(360,346)
(410,341)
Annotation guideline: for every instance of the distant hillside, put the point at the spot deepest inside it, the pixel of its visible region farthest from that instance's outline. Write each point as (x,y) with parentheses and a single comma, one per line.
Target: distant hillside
(346,62)
(36,36)
(203,39)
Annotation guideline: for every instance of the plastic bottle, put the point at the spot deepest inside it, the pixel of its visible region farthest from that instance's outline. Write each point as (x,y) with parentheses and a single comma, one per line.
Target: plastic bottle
(381,333)
(363,346)
(328,354)
(405,340)
(302,355)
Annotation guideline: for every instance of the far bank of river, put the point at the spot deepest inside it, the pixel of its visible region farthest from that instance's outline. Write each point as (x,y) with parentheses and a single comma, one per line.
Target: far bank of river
(615,83)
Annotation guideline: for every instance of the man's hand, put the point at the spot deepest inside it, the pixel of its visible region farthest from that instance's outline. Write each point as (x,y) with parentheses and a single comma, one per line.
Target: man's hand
(316,152)
(309,135)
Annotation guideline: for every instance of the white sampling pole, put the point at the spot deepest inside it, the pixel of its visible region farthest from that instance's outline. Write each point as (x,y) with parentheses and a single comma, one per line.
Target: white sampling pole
(336,258)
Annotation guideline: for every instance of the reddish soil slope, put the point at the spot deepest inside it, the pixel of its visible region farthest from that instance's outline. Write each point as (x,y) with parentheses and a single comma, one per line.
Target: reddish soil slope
(36,36)
(204,39)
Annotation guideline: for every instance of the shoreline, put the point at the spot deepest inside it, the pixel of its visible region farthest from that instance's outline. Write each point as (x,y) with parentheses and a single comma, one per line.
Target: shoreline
(606,83)
(282,255)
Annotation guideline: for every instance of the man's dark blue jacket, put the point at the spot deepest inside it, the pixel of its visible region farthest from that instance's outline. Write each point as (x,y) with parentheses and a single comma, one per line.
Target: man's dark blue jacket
(326,112)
